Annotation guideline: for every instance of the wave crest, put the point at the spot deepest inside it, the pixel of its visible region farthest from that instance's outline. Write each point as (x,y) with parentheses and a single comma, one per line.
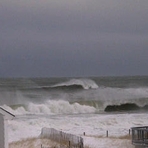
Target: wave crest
(125,107)
(51,107)
(55,107)
(84,83)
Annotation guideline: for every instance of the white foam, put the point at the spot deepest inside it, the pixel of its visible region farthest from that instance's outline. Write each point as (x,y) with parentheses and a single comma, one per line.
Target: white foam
(94,125)
(64,107)
(107,142)
(38,108)
(52,107)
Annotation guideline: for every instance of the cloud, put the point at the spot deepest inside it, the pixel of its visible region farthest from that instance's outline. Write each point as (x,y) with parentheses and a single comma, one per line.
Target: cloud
(44,38)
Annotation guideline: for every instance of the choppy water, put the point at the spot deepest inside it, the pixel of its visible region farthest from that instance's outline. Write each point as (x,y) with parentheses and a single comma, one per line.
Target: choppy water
(75,105)
(97,94)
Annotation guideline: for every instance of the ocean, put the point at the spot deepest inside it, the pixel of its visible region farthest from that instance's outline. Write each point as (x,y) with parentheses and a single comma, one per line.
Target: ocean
(92,105)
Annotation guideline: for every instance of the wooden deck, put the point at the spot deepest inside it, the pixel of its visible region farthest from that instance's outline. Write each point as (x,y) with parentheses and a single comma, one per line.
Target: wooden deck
(140,137)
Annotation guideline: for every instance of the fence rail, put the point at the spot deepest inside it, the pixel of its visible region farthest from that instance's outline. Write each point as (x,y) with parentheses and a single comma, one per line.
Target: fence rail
(72,141)
(140,136)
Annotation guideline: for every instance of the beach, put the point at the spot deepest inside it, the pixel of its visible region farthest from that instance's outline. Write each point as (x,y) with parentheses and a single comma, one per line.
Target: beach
(88,107)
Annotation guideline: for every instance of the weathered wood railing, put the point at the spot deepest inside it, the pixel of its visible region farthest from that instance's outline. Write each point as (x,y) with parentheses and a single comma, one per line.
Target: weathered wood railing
(140,136)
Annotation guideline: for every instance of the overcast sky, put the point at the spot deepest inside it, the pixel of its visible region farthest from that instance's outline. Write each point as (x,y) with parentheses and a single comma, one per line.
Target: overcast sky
(46,38)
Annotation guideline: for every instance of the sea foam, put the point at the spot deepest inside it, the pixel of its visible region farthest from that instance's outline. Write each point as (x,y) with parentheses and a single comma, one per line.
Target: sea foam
(51,107)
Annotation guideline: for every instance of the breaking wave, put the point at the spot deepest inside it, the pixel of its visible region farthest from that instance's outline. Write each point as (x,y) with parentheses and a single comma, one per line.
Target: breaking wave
(75,84)
(53,107)
(126,107)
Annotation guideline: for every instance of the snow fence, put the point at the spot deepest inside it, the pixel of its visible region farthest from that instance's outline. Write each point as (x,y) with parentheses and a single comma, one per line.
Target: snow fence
(72,141)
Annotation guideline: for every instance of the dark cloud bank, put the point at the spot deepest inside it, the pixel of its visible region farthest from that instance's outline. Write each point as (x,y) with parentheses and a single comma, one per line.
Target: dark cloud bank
(73,38)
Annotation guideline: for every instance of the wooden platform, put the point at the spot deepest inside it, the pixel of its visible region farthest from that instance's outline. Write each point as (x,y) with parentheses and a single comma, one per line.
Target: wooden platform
(140,137)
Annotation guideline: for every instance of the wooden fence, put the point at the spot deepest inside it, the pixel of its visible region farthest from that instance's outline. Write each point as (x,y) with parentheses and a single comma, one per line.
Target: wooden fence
(69,140)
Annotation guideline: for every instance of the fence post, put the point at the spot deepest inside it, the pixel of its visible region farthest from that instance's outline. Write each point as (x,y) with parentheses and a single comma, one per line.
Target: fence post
(69,144)
(107,133)
(81,143)
(129,132)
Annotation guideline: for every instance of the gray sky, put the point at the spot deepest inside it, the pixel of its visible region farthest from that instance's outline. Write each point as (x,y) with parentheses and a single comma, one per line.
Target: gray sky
(44,38)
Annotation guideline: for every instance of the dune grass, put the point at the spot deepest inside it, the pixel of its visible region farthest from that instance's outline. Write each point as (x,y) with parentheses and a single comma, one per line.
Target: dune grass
(38,143)
(34,143)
